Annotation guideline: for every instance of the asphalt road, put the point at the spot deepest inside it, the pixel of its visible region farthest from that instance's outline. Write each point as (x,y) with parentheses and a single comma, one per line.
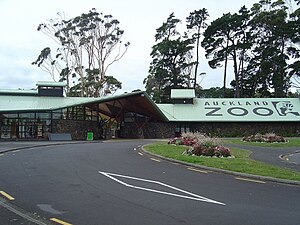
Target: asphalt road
(294,158)
(114,183)
(272,155)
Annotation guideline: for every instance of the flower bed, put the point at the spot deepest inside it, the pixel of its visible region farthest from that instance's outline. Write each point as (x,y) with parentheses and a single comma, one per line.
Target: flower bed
(268,138)
(201,145)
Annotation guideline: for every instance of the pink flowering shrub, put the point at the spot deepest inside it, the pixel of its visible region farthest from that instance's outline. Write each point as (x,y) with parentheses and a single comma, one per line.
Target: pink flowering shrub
(201,144)
(268,138)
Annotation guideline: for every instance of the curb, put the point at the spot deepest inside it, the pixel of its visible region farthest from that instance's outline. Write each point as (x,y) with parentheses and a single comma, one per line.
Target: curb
(243,175)
(45,145)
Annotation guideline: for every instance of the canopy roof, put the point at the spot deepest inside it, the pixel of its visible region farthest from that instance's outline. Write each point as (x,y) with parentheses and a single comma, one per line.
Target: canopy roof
(136,102)
(202,110)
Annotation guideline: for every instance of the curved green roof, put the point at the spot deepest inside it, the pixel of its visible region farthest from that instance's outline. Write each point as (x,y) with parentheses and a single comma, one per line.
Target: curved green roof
(137,102)
(234,110)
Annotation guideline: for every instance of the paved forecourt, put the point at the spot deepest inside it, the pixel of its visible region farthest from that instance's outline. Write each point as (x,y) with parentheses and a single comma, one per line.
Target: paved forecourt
(115,183)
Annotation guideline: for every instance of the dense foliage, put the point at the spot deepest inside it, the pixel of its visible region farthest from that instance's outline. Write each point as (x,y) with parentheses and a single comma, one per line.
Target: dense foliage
(261,43)
(171,64)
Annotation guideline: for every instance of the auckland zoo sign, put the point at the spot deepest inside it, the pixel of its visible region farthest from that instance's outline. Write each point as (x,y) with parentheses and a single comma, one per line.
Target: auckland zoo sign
(251,109)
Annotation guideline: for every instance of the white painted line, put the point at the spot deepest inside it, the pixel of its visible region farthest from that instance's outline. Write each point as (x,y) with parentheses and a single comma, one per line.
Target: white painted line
(188,195)
(9,197)
(250,180)
(156,160)
(140,153)
(59,221)
(197,170)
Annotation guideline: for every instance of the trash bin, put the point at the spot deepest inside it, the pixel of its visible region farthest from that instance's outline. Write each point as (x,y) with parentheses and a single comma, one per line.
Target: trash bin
(90,136)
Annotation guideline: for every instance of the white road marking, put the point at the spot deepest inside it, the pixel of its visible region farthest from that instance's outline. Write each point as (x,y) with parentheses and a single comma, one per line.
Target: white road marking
(9,197)
(197,170)
(140,153)
(156,160)
(189,195)
(250,180)
(59,221)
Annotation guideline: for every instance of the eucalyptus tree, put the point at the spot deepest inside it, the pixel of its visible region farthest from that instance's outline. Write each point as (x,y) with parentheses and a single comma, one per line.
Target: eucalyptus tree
(171,61)
(88,45)
(196,22)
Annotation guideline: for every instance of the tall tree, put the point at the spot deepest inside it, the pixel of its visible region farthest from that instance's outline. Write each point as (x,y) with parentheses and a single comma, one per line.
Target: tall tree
(294,48)
(271,32)
(226,38)
(196,21)
(88,45)
(172,61)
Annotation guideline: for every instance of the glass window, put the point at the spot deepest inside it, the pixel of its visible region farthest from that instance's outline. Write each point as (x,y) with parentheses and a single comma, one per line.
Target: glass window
(27,115)
(43,116)
(5,132)
(25,125)
(59,114)
(91,114)
(13,115)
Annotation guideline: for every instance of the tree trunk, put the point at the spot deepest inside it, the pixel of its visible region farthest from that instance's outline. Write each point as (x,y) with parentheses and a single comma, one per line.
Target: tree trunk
(225,70)
(225,76)
(236,75)
(197,59)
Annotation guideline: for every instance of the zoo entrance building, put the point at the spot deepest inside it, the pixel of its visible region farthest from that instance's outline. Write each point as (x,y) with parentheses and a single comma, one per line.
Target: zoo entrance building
(43,113)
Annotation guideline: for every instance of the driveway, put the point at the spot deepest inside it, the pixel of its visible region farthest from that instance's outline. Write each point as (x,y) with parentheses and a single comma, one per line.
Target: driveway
(115,183)
(272,155)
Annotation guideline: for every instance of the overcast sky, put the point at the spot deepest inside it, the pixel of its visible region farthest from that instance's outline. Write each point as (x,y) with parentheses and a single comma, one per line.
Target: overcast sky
(21,43)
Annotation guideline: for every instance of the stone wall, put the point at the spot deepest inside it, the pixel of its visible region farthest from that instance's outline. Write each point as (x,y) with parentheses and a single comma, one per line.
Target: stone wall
(219,129)
(77,129)
(239,129)
(159,130)
(149,130)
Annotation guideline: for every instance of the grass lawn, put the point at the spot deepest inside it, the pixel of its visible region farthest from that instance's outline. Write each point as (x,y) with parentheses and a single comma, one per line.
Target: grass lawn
(292,142)
(241,163)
